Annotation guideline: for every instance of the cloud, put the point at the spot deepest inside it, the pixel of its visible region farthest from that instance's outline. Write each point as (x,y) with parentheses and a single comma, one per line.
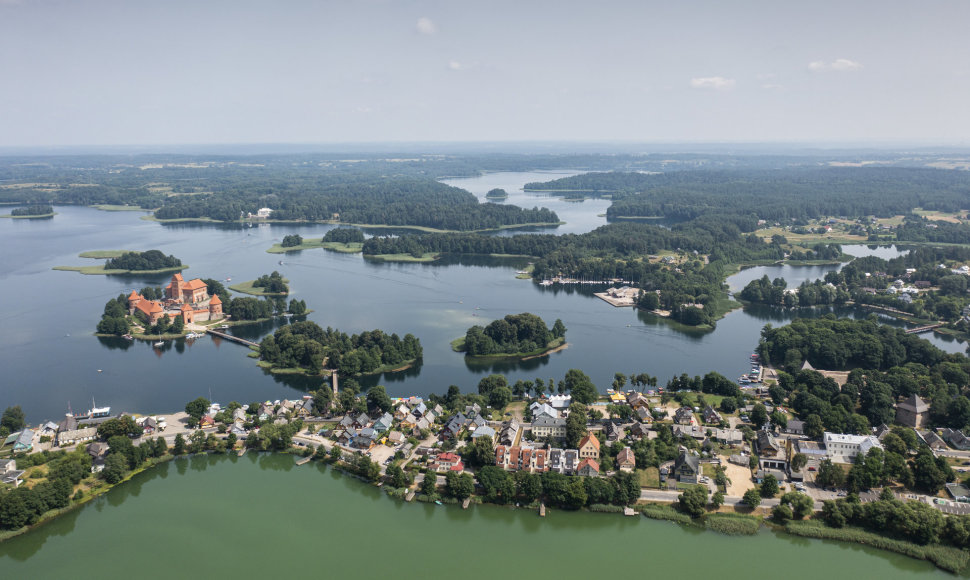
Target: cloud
(838,65)
(426,26)
(712,83)
(455,65)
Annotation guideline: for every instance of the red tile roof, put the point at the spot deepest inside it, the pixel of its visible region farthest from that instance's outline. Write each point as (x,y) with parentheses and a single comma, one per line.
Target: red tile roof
(215,300)
(193,284)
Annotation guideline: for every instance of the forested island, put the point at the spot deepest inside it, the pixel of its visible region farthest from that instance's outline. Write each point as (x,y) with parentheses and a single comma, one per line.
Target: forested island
(272,284)
(128,262)
(497,193)
(346,240)
(31,212)
(308,348)
(515,335)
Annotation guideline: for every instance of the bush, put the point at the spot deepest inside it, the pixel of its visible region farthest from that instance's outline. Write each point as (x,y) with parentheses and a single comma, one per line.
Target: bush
(734,524)
(663,512)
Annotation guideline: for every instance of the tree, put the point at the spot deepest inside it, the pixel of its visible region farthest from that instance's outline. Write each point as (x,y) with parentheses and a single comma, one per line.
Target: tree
(927,475)
(499,398)
(429,486)
(115,467)
(814,428)
(575,424)
(459,485)
(178,325)
(481,452)
(335,454)
(377,399)
(581,387)
(829,474)
(396,477)
(197,408)
(322,399)
(769,486)
(693,500)
(486,385)
(752,498)
(13,419)
(178,448)
(759,415)
(729,405)
(801,504)
(779,419)
(717,500)
(781,513)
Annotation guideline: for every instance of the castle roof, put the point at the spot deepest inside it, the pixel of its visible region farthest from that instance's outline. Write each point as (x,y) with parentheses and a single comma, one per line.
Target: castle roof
(215,300)
(186,307)
(194,284)
(149,306)
(177,277)
(134,296)
(914,404)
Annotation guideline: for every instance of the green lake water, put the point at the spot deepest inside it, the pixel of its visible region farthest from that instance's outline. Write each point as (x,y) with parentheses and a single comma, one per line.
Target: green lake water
(261,516)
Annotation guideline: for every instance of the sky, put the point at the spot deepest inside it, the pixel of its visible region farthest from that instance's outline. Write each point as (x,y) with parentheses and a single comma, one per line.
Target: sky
(112,72)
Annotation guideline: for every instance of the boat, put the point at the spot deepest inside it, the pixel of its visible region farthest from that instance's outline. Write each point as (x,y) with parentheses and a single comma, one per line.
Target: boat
(128,336)
(92,413)
(281,262)
(159,343)
(438,502)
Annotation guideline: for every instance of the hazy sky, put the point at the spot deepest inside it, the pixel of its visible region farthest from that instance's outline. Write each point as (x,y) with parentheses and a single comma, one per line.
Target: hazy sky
(76,72)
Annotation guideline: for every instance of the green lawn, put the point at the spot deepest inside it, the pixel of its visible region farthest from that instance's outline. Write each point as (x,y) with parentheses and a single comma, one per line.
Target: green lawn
(649,477)
(351,248)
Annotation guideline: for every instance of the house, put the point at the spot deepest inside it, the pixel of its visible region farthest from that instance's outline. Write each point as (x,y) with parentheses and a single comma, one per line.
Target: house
(383,423)
(238,429)
(637,400)
(543,410)
(420,410)
(401,412)
(438,411)
(694,431)
(454,426)
(912,412)
(149,425)
(684,416)
(625,460)
(643,413)
(484,431)
(473,409)
(97,450)
(932,440)
(206,421)
(65,438)
(795,427)
(841,448)
(347,436)
(588,467)
(362,421)
(560,402)
(549,427)
(475,423)
(9,473)
(49,429)
(589,447)
(68,424)
(614,432)
(771,455)
(449,461)
(711,416)
(639,431)
(956,438)
(687,468)
(346,422)
(396,438)
(239,414)
(509,432)
(732,437)
(423,423)
(24,441)
(304,408)
(570,461)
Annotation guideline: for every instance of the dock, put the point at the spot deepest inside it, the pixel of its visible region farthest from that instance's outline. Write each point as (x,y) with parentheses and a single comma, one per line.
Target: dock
(629,511)
(542,510)
(304,461)
(241,452)
(232,338)
(409,496)
(922,329)
(464,504)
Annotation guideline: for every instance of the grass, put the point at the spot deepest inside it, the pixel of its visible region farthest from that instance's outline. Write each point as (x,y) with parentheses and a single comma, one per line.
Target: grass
(649,477)
(733,524)
(426,257)
(103,254)
(283,370)
(351,248)
(30,217)
(528,272)
(946,557)
(100,270)
(151,218)
(248,288)
(664,512)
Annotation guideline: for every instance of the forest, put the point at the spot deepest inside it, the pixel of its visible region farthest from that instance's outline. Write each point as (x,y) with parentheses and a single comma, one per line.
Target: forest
(307,346)
(344,236)
(30,210)
(795,193)
(513,334)
(137,261)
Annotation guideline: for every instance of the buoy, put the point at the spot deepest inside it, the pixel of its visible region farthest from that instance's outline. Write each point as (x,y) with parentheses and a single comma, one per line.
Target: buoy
(99,370)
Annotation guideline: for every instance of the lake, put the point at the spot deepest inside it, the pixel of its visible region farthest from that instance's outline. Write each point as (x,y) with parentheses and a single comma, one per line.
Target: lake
(51,359)
(259,515)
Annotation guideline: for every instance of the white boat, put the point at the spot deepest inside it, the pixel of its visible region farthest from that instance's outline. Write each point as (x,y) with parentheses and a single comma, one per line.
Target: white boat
(159,343)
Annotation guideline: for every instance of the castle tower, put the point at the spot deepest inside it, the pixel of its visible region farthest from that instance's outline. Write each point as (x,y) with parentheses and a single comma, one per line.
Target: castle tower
(215,307)
(174,288)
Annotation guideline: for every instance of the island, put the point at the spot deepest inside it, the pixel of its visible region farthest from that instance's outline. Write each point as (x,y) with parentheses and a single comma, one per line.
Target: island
(127,262)
(515,336)
(305,348)
(346,240)
(273,284)
(497,193)
(31,212)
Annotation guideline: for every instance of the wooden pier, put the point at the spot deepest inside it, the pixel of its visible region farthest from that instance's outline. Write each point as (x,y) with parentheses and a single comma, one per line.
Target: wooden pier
(629,511)
(241,452)
(922,329)
(304,461)
(232,338)
(464,504)
(542,510)
(409,496)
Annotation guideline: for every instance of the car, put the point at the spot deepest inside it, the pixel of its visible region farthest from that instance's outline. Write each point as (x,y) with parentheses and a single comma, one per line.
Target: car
(841,494)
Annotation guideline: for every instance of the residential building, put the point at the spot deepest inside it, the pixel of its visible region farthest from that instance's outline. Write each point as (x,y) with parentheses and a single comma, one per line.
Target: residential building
(543,410)
(932,440)
(589,447)
(795,427)
(74,436)
(625,460)
(711,416)
(24,441)
(956,438)
(484,431)
(9,473)
(684,416)
(687,468)
(549,427)
(588,467)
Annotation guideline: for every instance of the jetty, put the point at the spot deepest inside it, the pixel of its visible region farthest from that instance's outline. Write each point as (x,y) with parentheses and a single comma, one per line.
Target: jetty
(409,496)
(629,511)
(922,329)
(242,452)
(232,338)
(304,461)
(464,504)
(542,510)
